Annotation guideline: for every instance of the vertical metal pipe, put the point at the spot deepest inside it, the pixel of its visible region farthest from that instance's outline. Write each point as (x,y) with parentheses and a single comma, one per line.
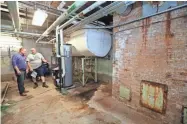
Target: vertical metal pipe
(57,44)
(68,78)
(62,52)
(95,70)
(83,76)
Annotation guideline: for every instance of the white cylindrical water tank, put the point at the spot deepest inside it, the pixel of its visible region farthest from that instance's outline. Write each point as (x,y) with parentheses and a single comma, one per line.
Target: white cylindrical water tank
(90,42)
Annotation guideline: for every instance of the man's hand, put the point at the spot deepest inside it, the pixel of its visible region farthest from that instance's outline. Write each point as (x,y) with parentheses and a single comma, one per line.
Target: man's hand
(18,72)
(31,69)
(27,71)
(45,61)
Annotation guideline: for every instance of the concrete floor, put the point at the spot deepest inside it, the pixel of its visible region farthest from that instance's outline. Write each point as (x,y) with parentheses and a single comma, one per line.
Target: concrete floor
(82,105)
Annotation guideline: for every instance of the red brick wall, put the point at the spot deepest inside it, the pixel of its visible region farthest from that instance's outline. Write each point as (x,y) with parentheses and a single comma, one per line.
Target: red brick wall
(153,49)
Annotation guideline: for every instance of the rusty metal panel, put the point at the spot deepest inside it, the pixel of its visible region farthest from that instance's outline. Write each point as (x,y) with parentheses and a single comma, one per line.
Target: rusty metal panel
(153,96)
(124,93)
(184,115)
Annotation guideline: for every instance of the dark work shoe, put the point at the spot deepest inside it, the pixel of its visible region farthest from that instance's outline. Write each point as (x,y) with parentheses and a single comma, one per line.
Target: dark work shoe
(23,94)
(45,85)
(35,85)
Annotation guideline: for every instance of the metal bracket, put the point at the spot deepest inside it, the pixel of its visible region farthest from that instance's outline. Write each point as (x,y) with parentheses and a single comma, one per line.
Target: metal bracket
(83,74)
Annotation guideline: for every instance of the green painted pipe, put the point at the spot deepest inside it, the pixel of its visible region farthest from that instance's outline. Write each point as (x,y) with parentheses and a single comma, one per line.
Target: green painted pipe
(75,5)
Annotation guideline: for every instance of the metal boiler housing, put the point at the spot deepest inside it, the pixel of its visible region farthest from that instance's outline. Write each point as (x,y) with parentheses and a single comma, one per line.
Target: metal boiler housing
(68,78)
(90,42)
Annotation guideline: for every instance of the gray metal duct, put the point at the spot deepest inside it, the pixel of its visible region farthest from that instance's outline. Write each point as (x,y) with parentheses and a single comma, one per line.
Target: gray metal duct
(14,12)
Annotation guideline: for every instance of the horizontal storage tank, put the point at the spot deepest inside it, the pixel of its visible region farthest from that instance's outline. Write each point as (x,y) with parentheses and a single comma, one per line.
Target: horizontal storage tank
(90,42)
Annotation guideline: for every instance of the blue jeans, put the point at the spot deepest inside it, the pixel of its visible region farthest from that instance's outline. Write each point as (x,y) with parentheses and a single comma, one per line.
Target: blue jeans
(20,82)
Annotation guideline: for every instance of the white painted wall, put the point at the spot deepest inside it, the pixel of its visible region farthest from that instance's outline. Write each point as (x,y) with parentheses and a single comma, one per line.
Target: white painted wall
(15,44)
(8,46)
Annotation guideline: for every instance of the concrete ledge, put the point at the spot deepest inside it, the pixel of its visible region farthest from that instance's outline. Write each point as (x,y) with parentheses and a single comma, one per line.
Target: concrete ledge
(7,77)
(104,78)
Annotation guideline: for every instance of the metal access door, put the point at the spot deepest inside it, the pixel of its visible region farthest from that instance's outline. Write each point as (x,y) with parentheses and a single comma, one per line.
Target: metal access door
(184,115)
(153,96)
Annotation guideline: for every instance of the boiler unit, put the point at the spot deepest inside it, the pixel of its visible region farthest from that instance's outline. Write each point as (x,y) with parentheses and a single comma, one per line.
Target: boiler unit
(86,43)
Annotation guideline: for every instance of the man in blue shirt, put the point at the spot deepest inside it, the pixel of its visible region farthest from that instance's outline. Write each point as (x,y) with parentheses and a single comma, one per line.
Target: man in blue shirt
(20,68)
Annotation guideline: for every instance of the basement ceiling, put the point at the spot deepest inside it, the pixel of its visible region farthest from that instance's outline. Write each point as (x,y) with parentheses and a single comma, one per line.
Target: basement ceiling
(54,10)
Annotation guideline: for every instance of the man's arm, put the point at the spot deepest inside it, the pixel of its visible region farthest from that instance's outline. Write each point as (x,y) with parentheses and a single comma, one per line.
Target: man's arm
(14,63)
(28,64)
(43,59)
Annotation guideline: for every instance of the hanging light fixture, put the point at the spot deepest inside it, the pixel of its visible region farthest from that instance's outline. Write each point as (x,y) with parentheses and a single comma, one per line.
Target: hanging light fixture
(39,17)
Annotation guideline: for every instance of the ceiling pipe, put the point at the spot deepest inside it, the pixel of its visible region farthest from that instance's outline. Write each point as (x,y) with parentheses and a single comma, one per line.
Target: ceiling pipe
(125,23)
(7,27)
(45,43)
(102,12)
(81,14)
(20,13)
(14,12)
(28,7)
(41,6)
(24,33)
(74,7)
(51,41)
(90,8)
(99,14)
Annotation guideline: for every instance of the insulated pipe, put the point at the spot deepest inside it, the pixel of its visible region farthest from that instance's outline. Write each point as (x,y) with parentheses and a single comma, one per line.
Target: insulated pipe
(125,23)
(90,8)
(24,33)
(52,40)
(7,27)
(62,52)
(14,12)
(38,5)
(102,12)
(31,6)
(45,43)
(74,7)
(93,6)
(56,44)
